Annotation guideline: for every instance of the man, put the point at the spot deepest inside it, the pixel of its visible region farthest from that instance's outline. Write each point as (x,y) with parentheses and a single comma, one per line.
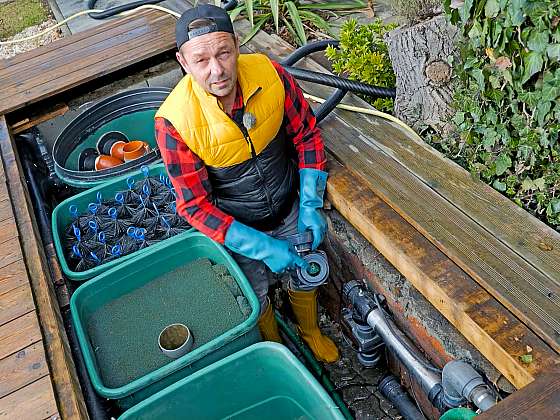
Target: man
(230,134)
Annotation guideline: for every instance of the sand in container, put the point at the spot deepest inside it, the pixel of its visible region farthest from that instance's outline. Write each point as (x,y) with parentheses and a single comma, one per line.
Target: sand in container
(124,332)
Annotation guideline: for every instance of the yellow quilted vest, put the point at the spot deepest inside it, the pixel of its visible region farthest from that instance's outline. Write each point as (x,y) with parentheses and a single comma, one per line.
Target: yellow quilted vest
(209,132)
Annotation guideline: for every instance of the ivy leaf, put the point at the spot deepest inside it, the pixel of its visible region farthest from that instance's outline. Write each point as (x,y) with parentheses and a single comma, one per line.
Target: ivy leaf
(553,51)
(465,10)
(533,63)
(538,41)
(479,77)
(500,186)
(492,8)
(516,12)
(503,162)
(540,184)
(554,206)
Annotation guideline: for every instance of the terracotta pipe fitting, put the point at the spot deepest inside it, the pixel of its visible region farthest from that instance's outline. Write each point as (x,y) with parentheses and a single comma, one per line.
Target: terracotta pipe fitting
(134,150)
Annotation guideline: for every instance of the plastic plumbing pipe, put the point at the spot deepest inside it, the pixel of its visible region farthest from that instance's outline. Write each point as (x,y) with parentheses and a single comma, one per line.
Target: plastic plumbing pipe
(317,368)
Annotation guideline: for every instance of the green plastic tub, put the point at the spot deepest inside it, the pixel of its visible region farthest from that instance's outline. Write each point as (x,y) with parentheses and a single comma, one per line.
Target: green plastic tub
(92,298)
(264,381)
(61,217)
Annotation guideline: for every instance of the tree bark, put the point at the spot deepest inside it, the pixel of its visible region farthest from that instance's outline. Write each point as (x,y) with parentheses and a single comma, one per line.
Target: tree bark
(420,57)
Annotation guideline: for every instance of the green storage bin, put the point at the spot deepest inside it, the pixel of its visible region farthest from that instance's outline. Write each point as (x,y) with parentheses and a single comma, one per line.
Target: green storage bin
(61,218)
(139,271)
(264,381)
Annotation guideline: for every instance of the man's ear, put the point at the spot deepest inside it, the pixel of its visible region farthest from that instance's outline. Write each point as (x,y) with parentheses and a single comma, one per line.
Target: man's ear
(182,61)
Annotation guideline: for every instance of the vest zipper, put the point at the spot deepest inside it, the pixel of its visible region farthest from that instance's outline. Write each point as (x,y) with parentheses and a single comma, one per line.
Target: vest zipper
(254,156)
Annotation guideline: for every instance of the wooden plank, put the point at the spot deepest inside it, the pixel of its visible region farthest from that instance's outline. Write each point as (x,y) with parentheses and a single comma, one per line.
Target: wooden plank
(539,400)
(12,276)
(484,322)
(66,44)
(35,401)
(10,252)
(22,368)
(154,38)
(57,110)
(533,296)
(5,207)
(8,230)
(55,66)
(70,399)
(19,334)
(15,303)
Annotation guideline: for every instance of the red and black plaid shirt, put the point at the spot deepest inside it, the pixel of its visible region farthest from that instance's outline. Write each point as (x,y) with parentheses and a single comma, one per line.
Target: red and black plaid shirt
(190,178)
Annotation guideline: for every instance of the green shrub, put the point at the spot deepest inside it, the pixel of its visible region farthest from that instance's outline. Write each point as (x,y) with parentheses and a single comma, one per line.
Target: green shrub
(508,112)
(362,55)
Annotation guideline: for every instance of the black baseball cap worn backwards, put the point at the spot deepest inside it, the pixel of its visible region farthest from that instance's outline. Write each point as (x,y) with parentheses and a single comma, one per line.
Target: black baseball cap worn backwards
(219,17)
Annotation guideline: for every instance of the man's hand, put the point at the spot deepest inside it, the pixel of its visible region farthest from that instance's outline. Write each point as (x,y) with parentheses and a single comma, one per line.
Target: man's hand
(279,255)
(312,187)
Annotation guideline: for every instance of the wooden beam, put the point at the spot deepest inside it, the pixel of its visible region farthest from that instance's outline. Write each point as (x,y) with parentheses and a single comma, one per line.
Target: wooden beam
(539,400)
(490,327)
(67,389)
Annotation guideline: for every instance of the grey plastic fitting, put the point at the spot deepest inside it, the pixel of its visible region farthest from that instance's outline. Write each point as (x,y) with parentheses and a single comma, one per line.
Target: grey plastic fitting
(461,383)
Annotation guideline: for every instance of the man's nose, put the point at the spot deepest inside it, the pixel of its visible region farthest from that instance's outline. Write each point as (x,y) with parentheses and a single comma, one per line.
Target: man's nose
(215,67)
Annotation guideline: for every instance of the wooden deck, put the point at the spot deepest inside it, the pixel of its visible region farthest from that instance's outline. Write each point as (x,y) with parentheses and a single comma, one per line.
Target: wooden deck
(26,391)
(453,238)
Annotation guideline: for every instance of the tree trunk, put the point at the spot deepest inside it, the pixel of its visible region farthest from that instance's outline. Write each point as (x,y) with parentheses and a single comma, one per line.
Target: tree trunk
(420,56)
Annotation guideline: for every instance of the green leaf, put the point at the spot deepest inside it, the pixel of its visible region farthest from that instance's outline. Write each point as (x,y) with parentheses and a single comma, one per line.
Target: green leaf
(296,21)
(492,8)
(479,77)
(465,10)
(538,41)
(249,7)
(235,12)
(516,12)
(275,10)
(503,162)
(260,22)
(533,63)
(500,186)
(554,206)
(553,51)
(335,5)
(526,358)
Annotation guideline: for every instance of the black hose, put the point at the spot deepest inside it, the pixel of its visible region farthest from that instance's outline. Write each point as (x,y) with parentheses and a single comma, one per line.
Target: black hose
(229,5)
(117,9)
(341,83)
(392,390)
(306,49)
(332,101)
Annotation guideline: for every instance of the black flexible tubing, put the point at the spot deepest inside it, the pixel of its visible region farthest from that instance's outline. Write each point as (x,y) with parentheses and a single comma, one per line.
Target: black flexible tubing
(123,8)
(306,49)
(341,83)
(332,101)
(393,391)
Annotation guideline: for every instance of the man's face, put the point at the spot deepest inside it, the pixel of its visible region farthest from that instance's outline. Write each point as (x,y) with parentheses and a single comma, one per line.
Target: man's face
(211,59)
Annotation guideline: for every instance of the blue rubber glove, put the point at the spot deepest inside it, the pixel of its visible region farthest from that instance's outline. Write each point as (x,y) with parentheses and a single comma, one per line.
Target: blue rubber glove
(278,255)
(312,187)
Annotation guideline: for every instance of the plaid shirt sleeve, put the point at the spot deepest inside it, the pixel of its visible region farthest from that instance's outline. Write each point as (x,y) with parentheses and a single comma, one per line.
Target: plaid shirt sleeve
(301,124)
(190,180)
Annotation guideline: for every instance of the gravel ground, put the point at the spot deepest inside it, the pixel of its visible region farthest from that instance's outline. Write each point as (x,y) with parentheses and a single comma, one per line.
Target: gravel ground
(10,50)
